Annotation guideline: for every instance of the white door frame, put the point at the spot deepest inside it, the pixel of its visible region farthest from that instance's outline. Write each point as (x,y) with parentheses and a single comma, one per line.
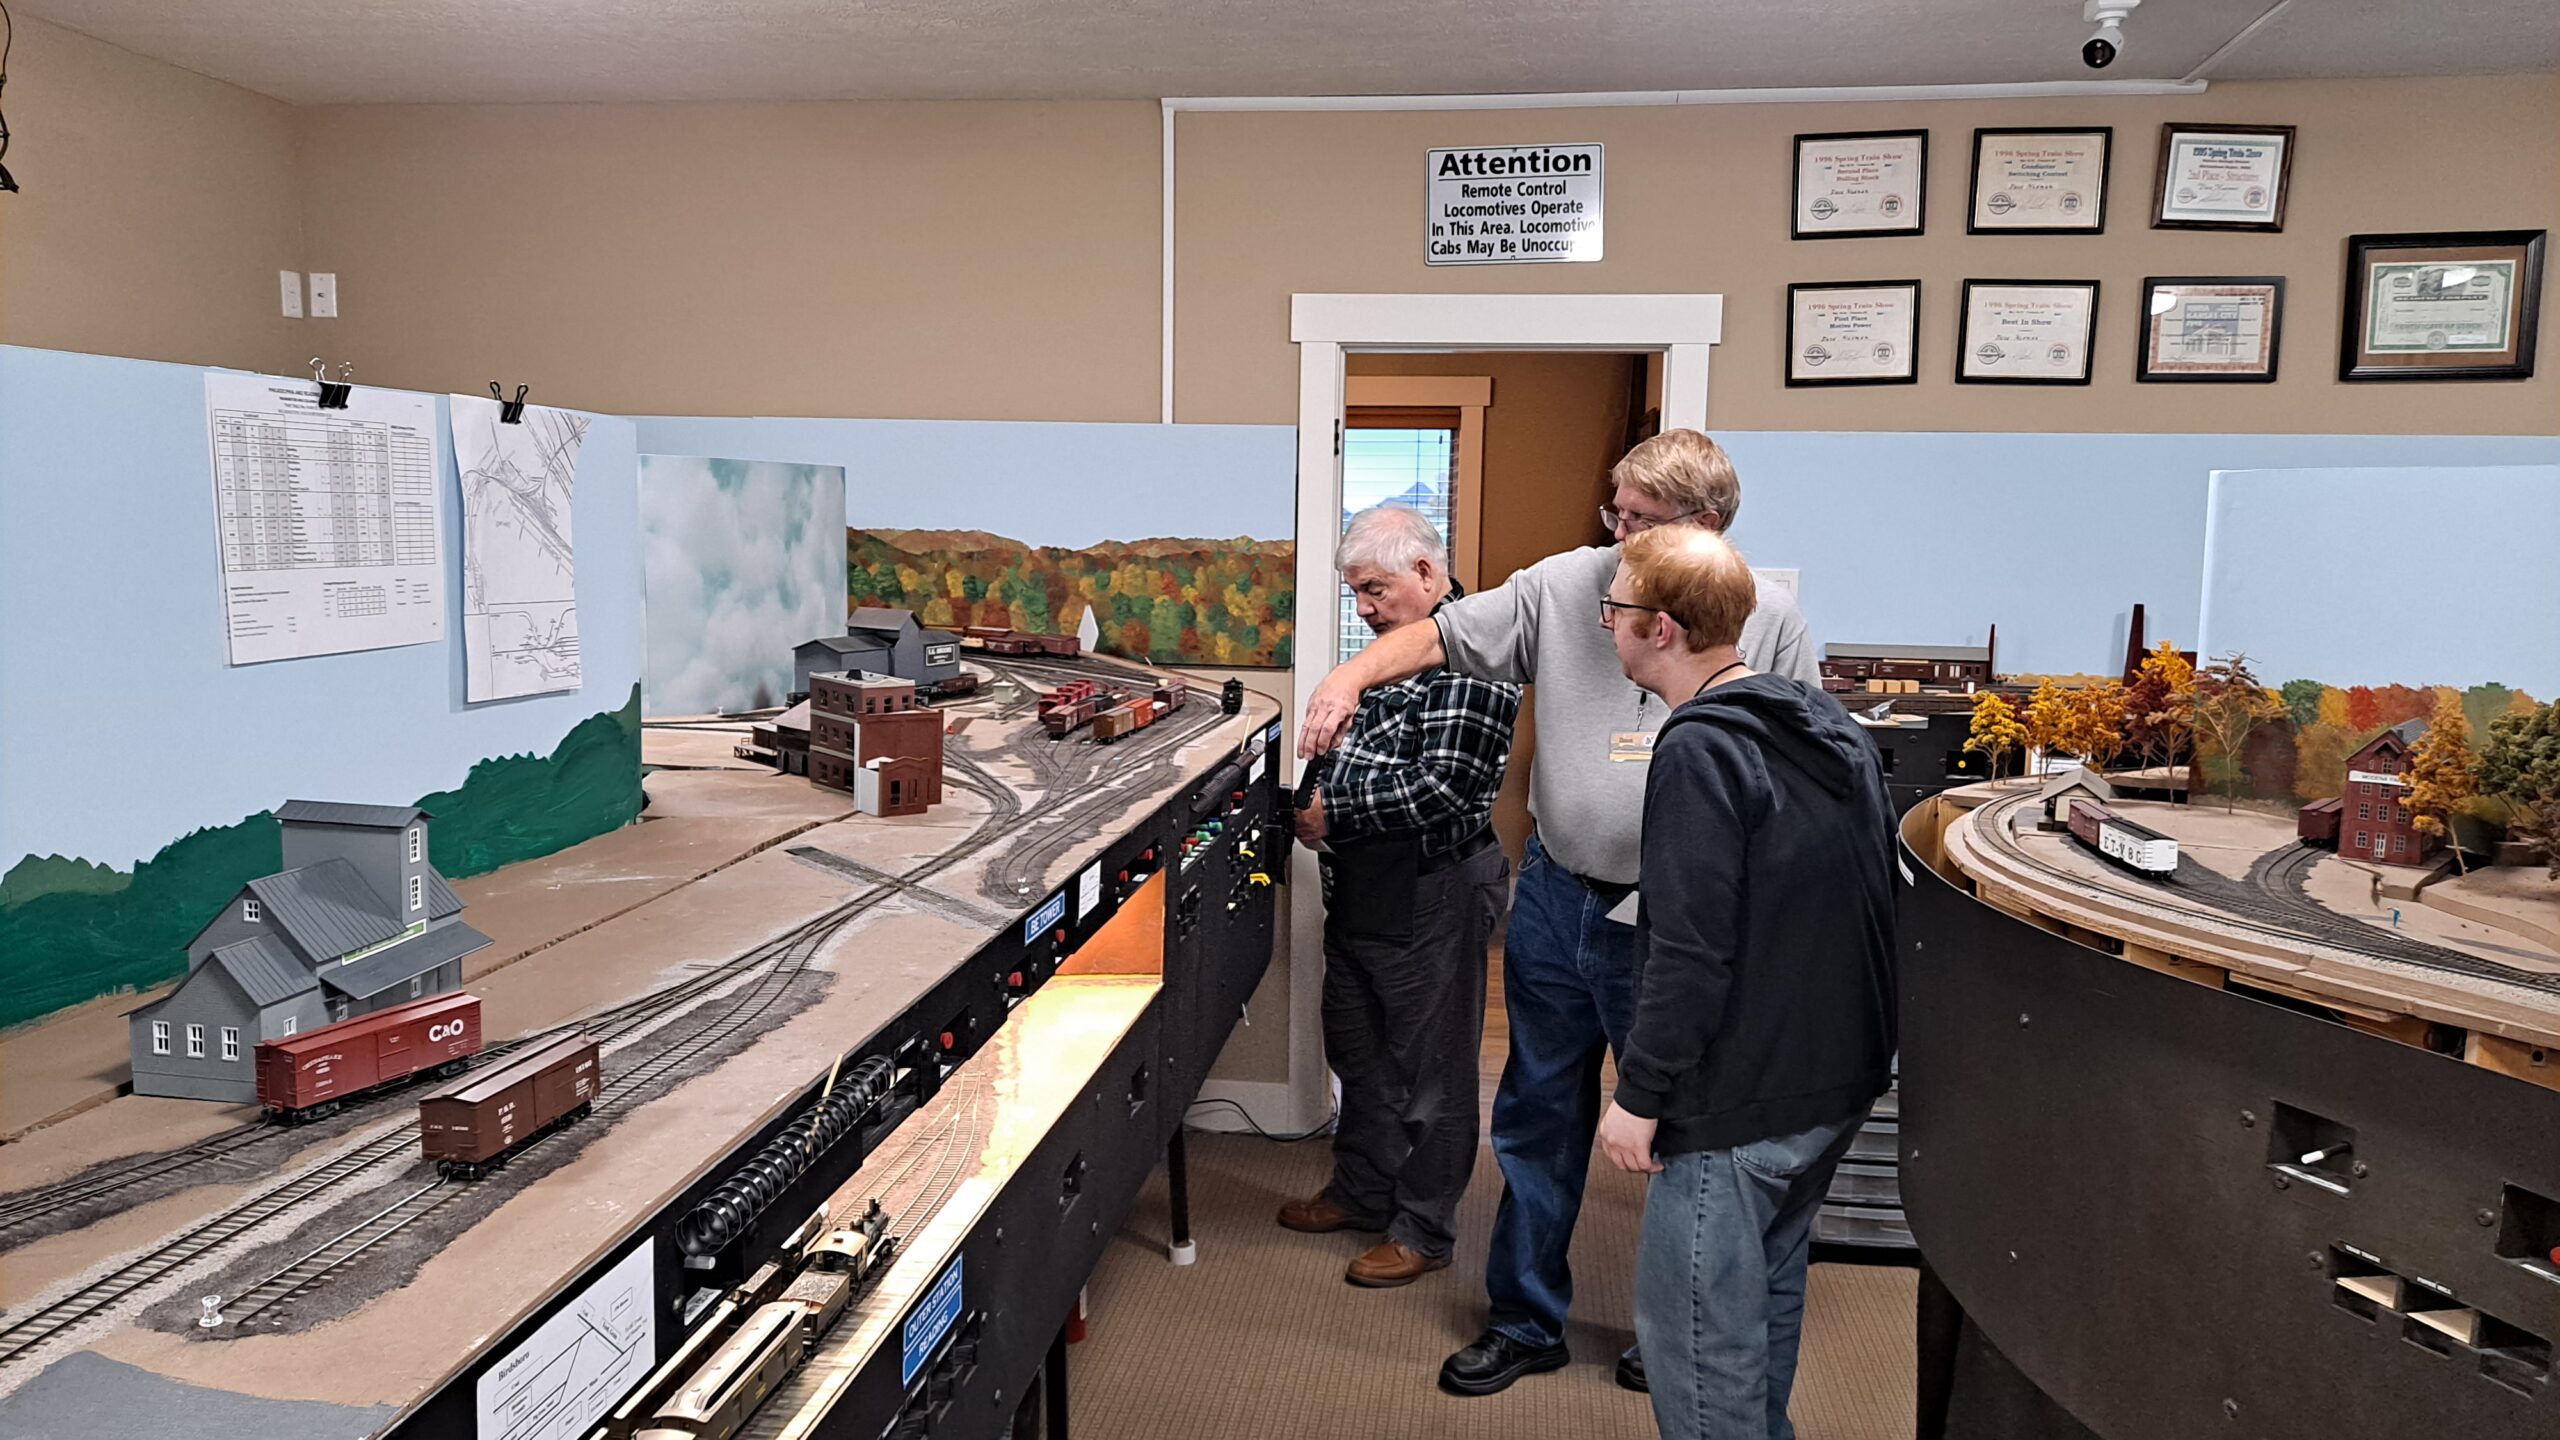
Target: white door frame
(1325,327)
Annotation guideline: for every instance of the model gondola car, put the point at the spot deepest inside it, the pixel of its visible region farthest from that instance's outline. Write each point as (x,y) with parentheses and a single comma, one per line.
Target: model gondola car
(303,1077)
(2135,847)
(470,1125)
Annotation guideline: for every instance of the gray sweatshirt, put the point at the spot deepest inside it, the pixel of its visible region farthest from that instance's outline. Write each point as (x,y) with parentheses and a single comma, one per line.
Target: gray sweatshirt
(1542,627)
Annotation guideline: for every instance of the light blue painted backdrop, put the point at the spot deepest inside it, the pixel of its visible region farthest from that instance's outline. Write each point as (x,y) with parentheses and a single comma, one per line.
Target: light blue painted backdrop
(1934,538)
(1043,483)
(121,726)
(2387,576)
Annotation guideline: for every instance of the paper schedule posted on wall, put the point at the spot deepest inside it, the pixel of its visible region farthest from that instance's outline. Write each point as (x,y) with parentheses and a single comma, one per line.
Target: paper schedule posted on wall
(329,522)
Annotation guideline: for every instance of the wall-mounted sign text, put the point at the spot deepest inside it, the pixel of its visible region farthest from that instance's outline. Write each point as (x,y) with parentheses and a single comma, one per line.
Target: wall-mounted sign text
(1514,205)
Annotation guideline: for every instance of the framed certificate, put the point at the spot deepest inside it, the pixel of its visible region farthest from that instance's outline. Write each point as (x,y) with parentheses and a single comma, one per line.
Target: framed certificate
(2222,177)
(2210,327)
(2026,332)
(1860,184)
(1853,332)
(2039,182)
(2458,305)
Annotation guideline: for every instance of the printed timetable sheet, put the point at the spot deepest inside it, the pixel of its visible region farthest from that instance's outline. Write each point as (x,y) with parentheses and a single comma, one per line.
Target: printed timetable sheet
(330,522)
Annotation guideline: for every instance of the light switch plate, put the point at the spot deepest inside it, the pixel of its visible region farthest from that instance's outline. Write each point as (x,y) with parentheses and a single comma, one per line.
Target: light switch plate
(290,281)
(324,295)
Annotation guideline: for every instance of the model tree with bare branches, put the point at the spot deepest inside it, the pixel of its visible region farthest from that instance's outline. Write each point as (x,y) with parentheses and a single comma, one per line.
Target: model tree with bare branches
(2224,703)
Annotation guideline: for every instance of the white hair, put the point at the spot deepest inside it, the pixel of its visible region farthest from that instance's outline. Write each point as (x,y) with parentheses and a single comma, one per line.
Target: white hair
(1390,539)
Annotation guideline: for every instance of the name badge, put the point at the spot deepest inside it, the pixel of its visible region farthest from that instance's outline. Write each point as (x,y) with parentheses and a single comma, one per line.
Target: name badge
(1631,745)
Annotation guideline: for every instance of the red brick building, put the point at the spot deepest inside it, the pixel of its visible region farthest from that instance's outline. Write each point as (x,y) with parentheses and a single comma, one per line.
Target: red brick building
(859,718)
(2373,810)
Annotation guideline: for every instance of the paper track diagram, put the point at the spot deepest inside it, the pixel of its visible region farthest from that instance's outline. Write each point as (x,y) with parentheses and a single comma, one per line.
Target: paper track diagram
(519,571)
(577,1364)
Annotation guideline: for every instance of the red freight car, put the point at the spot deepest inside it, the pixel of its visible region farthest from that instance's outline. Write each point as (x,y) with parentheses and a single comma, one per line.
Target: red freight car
(1069,706)
(1170,695)
(1138,714)
(2317,822)
(469,1125)
(303,1077)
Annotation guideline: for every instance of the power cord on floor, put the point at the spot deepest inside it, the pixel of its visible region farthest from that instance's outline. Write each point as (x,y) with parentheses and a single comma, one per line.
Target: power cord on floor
(1246,1116)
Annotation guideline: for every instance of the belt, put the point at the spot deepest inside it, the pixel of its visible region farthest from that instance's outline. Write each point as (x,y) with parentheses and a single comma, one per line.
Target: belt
(1458,854)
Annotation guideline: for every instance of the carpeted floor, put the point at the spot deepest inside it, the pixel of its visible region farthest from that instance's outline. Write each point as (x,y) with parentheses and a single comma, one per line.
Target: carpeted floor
(1262,1340)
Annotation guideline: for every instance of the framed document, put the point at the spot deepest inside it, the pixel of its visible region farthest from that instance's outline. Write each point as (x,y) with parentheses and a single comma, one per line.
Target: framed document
(1853,332)
(2026,332)
(2209,327)
(2222,177)
(2039,182)
(1860,184)
(2459,305)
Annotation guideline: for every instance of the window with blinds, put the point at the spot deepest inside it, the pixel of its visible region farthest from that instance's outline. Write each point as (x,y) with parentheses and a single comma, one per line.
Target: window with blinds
(1395,458)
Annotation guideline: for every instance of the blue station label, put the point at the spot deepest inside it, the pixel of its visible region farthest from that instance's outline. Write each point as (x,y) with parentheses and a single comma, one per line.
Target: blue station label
(1050,913)
(933,1318)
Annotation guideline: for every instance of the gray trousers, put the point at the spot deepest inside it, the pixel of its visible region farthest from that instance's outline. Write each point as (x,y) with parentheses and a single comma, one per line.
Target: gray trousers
(1403,1021)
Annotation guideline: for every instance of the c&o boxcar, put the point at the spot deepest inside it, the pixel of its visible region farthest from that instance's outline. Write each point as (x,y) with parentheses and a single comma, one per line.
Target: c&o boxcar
(303,1077)
(468,1125)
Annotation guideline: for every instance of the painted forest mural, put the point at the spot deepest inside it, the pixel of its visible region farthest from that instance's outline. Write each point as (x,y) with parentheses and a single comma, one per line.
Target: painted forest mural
(1165,601)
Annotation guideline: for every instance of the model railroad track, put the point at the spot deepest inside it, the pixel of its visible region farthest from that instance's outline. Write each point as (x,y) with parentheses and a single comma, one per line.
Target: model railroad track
(1025,864)
(2257,905)
(309,1271)
(31,1206)
(110,1292)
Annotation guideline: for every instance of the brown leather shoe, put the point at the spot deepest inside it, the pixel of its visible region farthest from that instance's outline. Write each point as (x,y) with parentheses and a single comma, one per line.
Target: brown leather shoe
(1389,1263)
(1318,1215)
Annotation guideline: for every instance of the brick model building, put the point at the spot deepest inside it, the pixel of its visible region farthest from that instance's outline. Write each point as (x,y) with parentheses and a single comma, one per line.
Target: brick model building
(357,921)
(2373,810)
(856,719)
(1884,669)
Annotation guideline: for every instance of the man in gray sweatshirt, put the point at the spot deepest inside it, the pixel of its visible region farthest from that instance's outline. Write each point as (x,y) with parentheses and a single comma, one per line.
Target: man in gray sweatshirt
(1568,968)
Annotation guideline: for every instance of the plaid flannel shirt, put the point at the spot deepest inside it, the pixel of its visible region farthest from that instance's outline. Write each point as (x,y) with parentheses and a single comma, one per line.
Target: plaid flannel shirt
(1422,755)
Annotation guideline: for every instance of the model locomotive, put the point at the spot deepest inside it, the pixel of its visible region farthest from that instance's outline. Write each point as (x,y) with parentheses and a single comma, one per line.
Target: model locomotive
(2133,846)
(304,1077)
(756,1335)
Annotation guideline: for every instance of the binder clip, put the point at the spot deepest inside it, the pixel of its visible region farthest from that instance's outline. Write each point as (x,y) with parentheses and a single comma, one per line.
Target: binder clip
(333,393)
(510,412)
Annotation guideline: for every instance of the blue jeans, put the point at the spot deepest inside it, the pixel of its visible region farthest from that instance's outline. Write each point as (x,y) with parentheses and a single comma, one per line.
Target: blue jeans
(1720,1281)
(1568,987)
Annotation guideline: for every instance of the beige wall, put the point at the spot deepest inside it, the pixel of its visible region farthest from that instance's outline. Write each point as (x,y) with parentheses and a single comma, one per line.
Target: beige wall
(156,208)
(1698,199)
(911,260)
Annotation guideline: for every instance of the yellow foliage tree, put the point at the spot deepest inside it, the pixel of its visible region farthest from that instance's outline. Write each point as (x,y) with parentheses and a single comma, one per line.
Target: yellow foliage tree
(2050,719)
(2440,775)
(1996,730)
(2097,723)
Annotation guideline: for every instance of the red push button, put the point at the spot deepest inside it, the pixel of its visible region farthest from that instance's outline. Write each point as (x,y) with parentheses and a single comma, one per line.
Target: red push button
(947,1041)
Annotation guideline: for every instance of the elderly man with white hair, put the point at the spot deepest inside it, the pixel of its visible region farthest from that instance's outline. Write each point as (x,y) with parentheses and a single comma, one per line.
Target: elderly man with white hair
(1414,886)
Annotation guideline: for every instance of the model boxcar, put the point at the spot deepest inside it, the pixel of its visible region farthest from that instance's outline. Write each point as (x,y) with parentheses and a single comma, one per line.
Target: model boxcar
(469,1125)
(2132,846)
(2317,822)
(303,1077)
(1137,714)
(1069,706)
(1170,695)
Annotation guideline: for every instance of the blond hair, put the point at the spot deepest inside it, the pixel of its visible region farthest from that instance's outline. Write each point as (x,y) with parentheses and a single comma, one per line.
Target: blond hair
(1694,576)
(1684,469)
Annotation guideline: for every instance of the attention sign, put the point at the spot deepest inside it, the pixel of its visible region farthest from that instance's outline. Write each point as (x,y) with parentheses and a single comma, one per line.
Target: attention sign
(1514,205)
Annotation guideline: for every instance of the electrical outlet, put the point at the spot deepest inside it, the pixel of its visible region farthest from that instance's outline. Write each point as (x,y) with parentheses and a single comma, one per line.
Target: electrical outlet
(324,295)
(290,281)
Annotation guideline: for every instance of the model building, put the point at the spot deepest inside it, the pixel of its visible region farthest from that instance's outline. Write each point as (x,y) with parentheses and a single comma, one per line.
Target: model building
(855,719)
(884,640)
(1907,669)
(357,921)
(2373,820)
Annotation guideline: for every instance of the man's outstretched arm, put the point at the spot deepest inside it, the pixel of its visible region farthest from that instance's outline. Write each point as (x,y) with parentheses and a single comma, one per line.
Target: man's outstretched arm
(1401,653)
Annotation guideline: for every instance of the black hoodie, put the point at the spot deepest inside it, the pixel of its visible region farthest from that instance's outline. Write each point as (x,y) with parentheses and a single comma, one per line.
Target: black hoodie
(1764,939)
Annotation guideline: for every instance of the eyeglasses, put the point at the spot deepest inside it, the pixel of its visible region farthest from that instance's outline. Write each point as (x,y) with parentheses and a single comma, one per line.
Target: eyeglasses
(1609,609)
(1612,517)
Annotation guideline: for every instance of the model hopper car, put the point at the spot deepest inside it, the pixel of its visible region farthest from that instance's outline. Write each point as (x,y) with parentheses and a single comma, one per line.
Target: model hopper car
(2130,845)
(469,1126)
(303,1077)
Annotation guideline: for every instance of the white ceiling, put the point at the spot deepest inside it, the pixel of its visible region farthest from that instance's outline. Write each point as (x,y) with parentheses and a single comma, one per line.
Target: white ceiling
(337,51)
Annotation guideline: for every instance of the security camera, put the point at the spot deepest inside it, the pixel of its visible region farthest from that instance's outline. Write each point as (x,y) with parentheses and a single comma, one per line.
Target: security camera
(2101,49)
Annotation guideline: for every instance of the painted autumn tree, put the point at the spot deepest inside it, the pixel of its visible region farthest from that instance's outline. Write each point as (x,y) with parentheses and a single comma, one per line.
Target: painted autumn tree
(2440,774)
(2520,765)
(2048,720)
(2224,702)
(1996,729)
(2155,706)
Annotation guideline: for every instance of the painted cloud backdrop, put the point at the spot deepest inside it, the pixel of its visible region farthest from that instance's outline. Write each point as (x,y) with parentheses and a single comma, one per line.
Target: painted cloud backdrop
(741,560)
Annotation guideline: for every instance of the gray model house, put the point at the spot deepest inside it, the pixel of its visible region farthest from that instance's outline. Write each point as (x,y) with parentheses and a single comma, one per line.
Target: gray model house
(357,921)
(882,639)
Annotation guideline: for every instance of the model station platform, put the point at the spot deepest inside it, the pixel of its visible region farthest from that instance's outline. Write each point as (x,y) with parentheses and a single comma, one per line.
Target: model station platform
(771,941)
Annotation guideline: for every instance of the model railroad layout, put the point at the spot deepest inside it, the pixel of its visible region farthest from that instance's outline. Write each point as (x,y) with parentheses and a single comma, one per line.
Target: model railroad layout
(1018,847)
(2135,847)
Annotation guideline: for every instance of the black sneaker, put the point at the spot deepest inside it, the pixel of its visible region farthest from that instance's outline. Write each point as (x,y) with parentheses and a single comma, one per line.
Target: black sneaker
(1631,1371)
(1494,1361)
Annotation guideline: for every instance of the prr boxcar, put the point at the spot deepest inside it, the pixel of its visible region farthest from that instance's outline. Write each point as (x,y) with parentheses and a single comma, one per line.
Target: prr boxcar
(469,1125)
(2133,846)
(2317,822)
(303,1077)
